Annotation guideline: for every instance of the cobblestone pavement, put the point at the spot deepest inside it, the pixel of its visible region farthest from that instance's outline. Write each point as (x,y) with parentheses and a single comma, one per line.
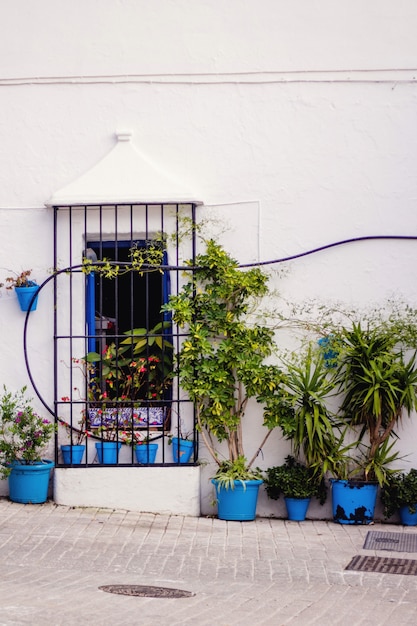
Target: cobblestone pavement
(53,559)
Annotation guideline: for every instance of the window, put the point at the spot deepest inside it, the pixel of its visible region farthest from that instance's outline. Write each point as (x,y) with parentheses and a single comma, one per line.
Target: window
(115,306)
(114,348)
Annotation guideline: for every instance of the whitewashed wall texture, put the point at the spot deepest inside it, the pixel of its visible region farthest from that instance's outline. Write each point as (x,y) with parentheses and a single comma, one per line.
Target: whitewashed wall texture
(295,121)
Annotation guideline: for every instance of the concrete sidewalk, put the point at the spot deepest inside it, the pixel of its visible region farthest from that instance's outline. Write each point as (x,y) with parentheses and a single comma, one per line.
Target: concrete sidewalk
(271,572)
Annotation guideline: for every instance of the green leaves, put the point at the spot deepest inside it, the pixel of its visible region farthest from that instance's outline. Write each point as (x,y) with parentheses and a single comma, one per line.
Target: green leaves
(230,471)
(377,382)
(23,433)
(400,490)
(309,425)
(221,361)
(140,339)
(143,259)
(294,480)
(137,368)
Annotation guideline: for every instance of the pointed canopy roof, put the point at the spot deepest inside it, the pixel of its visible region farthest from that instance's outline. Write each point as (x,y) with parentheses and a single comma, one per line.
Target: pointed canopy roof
(124,175)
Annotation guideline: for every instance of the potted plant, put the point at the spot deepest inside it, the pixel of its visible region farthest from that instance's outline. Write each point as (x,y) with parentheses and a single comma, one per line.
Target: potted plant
(144,445)
(109,434)
(308,424)
(105,428)
(26,289)
(146,451)
(182,443)
(302,406)
(221,365)
(127,388)
(130,381)
(298,484)
(23,437)
(378,385)
(354,497)
(73,452)
(400,494)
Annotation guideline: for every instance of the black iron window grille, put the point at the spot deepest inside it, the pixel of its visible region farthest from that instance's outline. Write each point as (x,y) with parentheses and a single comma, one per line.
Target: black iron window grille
(114,349)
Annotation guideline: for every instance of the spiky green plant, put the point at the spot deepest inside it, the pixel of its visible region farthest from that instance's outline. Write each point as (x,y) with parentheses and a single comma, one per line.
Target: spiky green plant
(378,384)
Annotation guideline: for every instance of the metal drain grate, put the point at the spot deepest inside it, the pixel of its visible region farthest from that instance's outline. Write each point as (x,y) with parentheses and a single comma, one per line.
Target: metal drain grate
(383,565)
(397,542)
(145,591)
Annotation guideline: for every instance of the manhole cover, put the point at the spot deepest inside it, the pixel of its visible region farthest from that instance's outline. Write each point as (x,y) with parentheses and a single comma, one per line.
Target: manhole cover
(398,542)
(383,565)
(145,591)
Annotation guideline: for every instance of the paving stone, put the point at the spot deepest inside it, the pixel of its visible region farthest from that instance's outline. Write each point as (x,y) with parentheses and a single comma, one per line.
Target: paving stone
(266,572)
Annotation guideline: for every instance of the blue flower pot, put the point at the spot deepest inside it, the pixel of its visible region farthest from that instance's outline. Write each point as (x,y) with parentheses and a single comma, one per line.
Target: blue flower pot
(239,503)
(25,295)
(182,450)
(146,453)
(353,502)
(297,508)
(72,455)
(108,452)
(407,518)
(29,484)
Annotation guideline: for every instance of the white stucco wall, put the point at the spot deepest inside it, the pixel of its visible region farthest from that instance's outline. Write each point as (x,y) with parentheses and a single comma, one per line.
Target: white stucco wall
(295,120)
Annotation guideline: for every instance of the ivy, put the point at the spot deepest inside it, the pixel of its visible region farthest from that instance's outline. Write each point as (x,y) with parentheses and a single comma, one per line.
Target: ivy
(221,363)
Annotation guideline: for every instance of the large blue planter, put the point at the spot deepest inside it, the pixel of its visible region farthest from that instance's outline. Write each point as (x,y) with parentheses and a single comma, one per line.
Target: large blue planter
(297,508)
(72,455)
(146,453)
(407,518)
(182,450)
(353,502)
(29,484)
(25,295)
(239,503)
(108,452)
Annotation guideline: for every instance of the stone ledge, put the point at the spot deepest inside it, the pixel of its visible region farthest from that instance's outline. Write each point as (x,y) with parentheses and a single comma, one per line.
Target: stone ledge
(164,490)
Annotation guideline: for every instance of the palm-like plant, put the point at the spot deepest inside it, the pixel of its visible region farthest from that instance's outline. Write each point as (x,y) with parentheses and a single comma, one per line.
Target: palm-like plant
(309,424)
(378,384)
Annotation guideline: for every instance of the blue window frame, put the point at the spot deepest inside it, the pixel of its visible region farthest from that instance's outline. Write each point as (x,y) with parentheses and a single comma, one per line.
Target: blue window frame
(128,301)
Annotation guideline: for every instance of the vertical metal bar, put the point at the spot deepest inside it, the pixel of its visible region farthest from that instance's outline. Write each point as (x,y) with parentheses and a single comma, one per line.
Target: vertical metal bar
(194,243)
(116,299)
(70,309)
(89,286)
(132,308)
(55,350)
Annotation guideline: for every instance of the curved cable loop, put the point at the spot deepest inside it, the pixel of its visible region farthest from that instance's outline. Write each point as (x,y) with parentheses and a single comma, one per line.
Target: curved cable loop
(145,266)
